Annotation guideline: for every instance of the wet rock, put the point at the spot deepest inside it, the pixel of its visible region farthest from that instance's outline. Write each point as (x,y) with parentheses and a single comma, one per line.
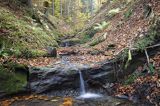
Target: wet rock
(70,42)
(60,76)
(65,76)
(2,93)
(52,51)
(69,101)
(104,101)
(15,81)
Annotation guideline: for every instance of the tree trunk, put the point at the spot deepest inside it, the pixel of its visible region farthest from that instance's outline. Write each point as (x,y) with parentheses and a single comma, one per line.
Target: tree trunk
(61,7)
(53,7)
(29,3)
(91,7)
(68,11)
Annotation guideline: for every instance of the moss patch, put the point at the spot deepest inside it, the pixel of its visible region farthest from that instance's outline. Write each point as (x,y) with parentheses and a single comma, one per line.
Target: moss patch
(20,32)
(150,38)
(11,81)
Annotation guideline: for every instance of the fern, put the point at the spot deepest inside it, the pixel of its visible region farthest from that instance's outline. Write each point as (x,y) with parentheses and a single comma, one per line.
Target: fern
(101,26)
(114,11)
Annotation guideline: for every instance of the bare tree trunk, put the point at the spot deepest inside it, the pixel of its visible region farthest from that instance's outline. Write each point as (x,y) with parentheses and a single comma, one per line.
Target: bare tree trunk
(61,8)
(91,4)
(53,7)
(87,9)
(68,11)
(65,7)
(29,3)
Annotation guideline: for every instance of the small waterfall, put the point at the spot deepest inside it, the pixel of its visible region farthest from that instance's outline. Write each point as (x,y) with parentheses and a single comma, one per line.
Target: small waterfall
(66,44)
(83,93)
(82,86)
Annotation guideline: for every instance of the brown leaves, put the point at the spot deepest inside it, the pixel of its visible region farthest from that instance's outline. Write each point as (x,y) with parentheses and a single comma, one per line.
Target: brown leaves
(39,61)
(62,101)
(146,87)
(67,102)
(125,90)
(8,102)
(156,61)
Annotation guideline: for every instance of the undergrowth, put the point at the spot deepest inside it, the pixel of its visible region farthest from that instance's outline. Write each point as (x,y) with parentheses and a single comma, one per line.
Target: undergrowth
(19,33)
(150,38)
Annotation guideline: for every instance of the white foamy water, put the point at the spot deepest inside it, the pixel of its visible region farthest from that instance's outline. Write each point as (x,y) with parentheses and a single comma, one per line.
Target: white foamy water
(82,86)
(84,94)
(89,95)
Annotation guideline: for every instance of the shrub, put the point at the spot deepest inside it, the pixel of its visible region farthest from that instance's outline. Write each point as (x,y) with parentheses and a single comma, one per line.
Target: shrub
(101,26)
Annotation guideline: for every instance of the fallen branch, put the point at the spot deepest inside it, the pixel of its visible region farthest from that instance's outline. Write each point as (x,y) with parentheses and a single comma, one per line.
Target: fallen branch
(156,45)
(147,55)
(132,49)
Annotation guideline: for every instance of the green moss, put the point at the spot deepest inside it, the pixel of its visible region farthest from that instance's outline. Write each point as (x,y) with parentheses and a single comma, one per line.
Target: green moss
(150,38)
(85,37)
(97,41)
(31,53)
(128,13)
(10,81)
(130,79)
(20,33)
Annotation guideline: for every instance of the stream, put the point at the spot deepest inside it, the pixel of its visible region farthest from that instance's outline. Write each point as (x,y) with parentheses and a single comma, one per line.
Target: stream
(70,84)
(66,83)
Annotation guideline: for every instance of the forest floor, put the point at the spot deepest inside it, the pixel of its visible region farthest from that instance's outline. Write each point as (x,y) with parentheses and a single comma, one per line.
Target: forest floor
(146,86)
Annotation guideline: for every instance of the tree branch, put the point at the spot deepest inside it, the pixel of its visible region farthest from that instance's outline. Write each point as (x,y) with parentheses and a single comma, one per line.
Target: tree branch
(147,55)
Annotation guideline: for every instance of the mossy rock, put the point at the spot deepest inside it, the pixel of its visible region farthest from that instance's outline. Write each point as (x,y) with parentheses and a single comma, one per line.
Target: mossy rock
(97,41)
(22,36)
(70,42)
(52,51)
(13,78)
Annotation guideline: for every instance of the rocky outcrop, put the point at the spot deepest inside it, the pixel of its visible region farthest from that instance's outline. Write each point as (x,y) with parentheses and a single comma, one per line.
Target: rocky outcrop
(65,75)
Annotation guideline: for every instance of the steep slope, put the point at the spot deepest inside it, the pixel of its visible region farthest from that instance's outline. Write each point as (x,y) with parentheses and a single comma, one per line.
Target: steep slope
(120,25)
(26,31)
(128,25)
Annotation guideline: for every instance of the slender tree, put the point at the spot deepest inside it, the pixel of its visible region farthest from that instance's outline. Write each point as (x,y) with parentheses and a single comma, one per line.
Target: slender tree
(61,8)
(91,7)
(53,7)
(68,11)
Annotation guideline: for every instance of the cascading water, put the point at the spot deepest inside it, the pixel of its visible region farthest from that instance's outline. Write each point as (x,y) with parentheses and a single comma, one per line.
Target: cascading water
(67,44)
(83,93)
